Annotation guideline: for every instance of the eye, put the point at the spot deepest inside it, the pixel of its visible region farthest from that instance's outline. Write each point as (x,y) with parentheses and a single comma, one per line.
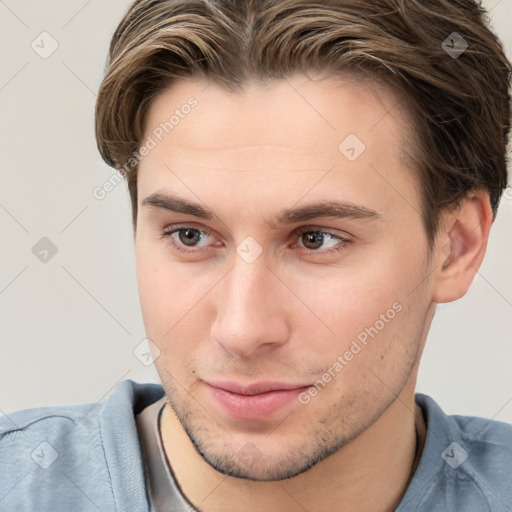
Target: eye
(186,236)
(313,240)
(192,240)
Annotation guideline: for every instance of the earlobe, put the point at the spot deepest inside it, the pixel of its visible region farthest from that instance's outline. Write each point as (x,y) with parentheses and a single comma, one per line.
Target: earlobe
(461,247)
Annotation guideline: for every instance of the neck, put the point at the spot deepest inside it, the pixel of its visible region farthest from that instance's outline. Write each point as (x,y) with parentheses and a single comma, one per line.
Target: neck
(372,472)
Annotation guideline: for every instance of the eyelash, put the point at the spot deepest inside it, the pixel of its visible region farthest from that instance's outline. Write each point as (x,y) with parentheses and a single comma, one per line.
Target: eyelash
(170,230)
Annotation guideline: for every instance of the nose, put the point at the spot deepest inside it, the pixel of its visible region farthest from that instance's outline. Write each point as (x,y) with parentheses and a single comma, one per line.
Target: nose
(252,310)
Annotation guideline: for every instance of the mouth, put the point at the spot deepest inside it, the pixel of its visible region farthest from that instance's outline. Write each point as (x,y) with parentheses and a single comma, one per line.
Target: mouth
(254,402)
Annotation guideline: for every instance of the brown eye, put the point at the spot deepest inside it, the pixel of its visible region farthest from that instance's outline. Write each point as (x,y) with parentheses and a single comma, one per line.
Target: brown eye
(312,239)
(189,236)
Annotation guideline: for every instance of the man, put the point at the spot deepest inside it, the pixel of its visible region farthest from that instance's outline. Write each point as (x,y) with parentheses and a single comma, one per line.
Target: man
(308,181)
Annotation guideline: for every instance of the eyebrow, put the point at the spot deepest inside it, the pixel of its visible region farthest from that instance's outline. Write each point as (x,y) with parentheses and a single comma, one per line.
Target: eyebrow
(333,209)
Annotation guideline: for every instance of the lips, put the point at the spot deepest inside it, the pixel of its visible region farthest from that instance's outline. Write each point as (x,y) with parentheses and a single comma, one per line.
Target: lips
(254,402)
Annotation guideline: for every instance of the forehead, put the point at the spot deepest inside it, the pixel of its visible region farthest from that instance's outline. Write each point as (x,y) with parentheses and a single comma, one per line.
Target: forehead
(282,133)
(297,112)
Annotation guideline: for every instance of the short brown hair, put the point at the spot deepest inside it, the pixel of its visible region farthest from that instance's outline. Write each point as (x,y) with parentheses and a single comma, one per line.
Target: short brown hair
(460,104)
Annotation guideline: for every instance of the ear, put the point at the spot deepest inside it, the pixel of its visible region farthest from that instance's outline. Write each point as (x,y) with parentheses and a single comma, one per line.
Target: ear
(460,246)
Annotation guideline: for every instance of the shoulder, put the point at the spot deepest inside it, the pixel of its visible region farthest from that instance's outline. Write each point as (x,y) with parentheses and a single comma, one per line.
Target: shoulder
(465,463)
(55,420)
(489,441)
(488,446)
(68,451)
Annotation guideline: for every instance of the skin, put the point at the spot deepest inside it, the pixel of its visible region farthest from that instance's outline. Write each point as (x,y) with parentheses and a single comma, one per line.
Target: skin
(290,313)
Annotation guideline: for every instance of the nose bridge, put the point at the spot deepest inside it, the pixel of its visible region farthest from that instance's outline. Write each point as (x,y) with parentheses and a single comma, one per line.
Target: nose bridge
(249,313)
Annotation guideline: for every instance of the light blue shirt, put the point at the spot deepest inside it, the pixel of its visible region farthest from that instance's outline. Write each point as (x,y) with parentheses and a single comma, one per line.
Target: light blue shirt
(89,458)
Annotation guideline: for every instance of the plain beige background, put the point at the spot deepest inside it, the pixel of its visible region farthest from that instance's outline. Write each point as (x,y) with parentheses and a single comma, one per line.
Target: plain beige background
(70,325)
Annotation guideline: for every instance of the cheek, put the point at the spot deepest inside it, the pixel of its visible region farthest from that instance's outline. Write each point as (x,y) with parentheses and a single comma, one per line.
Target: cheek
(157,292)
(164,308)
(370,310)
(349,299)
(150,288)
(171,300)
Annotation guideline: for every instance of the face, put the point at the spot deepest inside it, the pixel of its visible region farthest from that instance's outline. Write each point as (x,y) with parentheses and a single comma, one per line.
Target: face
(281,265)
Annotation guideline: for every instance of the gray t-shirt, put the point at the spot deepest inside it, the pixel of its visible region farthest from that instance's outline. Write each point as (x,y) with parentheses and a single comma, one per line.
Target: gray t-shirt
(163,489)
(89,457)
